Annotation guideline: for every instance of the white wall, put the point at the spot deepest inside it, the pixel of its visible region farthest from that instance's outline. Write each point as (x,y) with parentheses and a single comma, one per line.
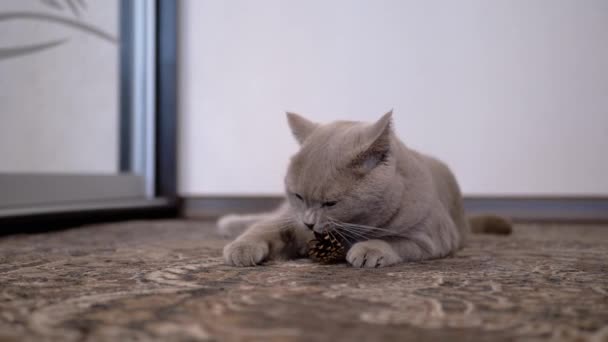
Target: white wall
(513,94)
(59,106)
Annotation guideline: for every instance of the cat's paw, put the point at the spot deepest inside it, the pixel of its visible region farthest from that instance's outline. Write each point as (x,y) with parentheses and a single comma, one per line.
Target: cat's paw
(372,253)
(246,252)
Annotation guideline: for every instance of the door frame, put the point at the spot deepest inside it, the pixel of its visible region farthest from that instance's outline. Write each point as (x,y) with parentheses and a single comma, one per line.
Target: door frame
(132,199)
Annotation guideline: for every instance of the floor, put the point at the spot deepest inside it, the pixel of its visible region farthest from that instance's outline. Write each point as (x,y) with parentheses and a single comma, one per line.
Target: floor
(165,280)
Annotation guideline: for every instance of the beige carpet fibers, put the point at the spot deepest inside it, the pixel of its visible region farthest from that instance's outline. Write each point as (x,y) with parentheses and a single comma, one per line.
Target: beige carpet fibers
(165,280)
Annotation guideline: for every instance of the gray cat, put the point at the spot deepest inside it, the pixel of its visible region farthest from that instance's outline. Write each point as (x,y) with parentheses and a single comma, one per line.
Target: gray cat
(358,181)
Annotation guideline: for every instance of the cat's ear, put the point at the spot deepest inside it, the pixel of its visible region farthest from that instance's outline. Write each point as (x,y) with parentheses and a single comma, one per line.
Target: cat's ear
(379,134)
(377,144)
(300,126)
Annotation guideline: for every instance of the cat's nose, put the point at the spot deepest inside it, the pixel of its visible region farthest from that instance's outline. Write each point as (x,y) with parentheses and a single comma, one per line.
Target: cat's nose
(309,225)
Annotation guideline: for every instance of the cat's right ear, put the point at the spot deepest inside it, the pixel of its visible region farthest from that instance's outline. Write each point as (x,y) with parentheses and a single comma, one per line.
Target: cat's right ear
(300,126)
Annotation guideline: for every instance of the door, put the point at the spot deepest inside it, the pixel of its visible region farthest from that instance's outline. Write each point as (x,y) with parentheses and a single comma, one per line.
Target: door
(78,117)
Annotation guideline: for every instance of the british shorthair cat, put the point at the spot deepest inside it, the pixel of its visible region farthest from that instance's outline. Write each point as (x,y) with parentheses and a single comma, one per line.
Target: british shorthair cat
(358,181)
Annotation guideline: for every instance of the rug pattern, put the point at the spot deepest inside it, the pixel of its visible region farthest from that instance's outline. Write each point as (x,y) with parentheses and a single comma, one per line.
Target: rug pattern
(165,280)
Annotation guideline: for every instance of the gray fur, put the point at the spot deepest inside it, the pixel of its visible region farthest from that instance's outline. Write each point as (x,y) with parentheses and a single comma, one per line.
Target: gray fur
(412,200)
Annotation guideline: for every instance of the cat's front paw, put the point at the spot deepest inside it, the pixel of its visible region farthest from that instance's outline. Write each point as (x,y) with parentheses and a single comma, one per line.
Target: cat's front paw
(372,253)
(246,252)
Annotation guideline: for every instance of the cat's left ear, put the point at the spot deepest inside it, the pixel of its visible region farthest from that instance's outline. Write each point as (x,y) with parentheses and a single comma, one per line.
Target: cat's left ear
(300,126)
(377,144)
(379,134)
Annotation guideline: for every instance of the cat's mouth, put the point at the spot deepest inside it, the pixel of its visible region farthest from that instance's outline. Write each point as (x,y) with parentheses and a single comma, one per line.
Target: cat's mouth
(321,229)
(318,235)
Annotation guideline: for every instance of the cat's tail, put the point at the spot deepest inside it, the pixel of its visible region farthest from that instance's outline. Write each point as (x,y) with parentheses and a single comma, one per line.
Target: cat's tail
(490,224)
(233,225)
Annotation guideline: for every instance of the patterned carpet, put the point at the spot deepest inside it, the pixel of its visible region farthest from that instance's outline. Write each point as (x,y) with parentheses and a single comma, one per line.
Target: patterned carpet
(165,280)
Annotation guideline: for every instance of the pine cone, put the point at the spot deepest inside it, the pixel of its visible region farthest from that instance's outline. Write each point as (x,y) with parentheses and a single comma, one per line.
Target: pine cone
(326,249)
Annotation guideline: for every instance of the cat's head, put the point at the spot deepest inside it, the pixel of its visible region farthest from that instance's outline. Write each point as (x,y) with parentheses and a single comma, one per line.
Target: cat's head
(342,171)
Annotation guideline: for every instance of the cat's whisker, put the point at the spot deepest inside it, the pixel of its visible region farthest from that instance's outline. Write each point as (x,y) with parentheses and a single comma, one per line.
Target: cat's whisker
(330,233)
(366,231)
(338,224)
(346,225)
(359,225)
(348,237)
(362,227)
(350,241)
(352,238)
(353,234)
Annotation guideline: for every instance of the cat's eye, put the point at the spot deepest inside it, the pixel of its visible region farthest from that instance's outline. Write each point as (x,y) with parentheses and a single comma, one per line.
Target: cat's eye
(299,197)
(329,204)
